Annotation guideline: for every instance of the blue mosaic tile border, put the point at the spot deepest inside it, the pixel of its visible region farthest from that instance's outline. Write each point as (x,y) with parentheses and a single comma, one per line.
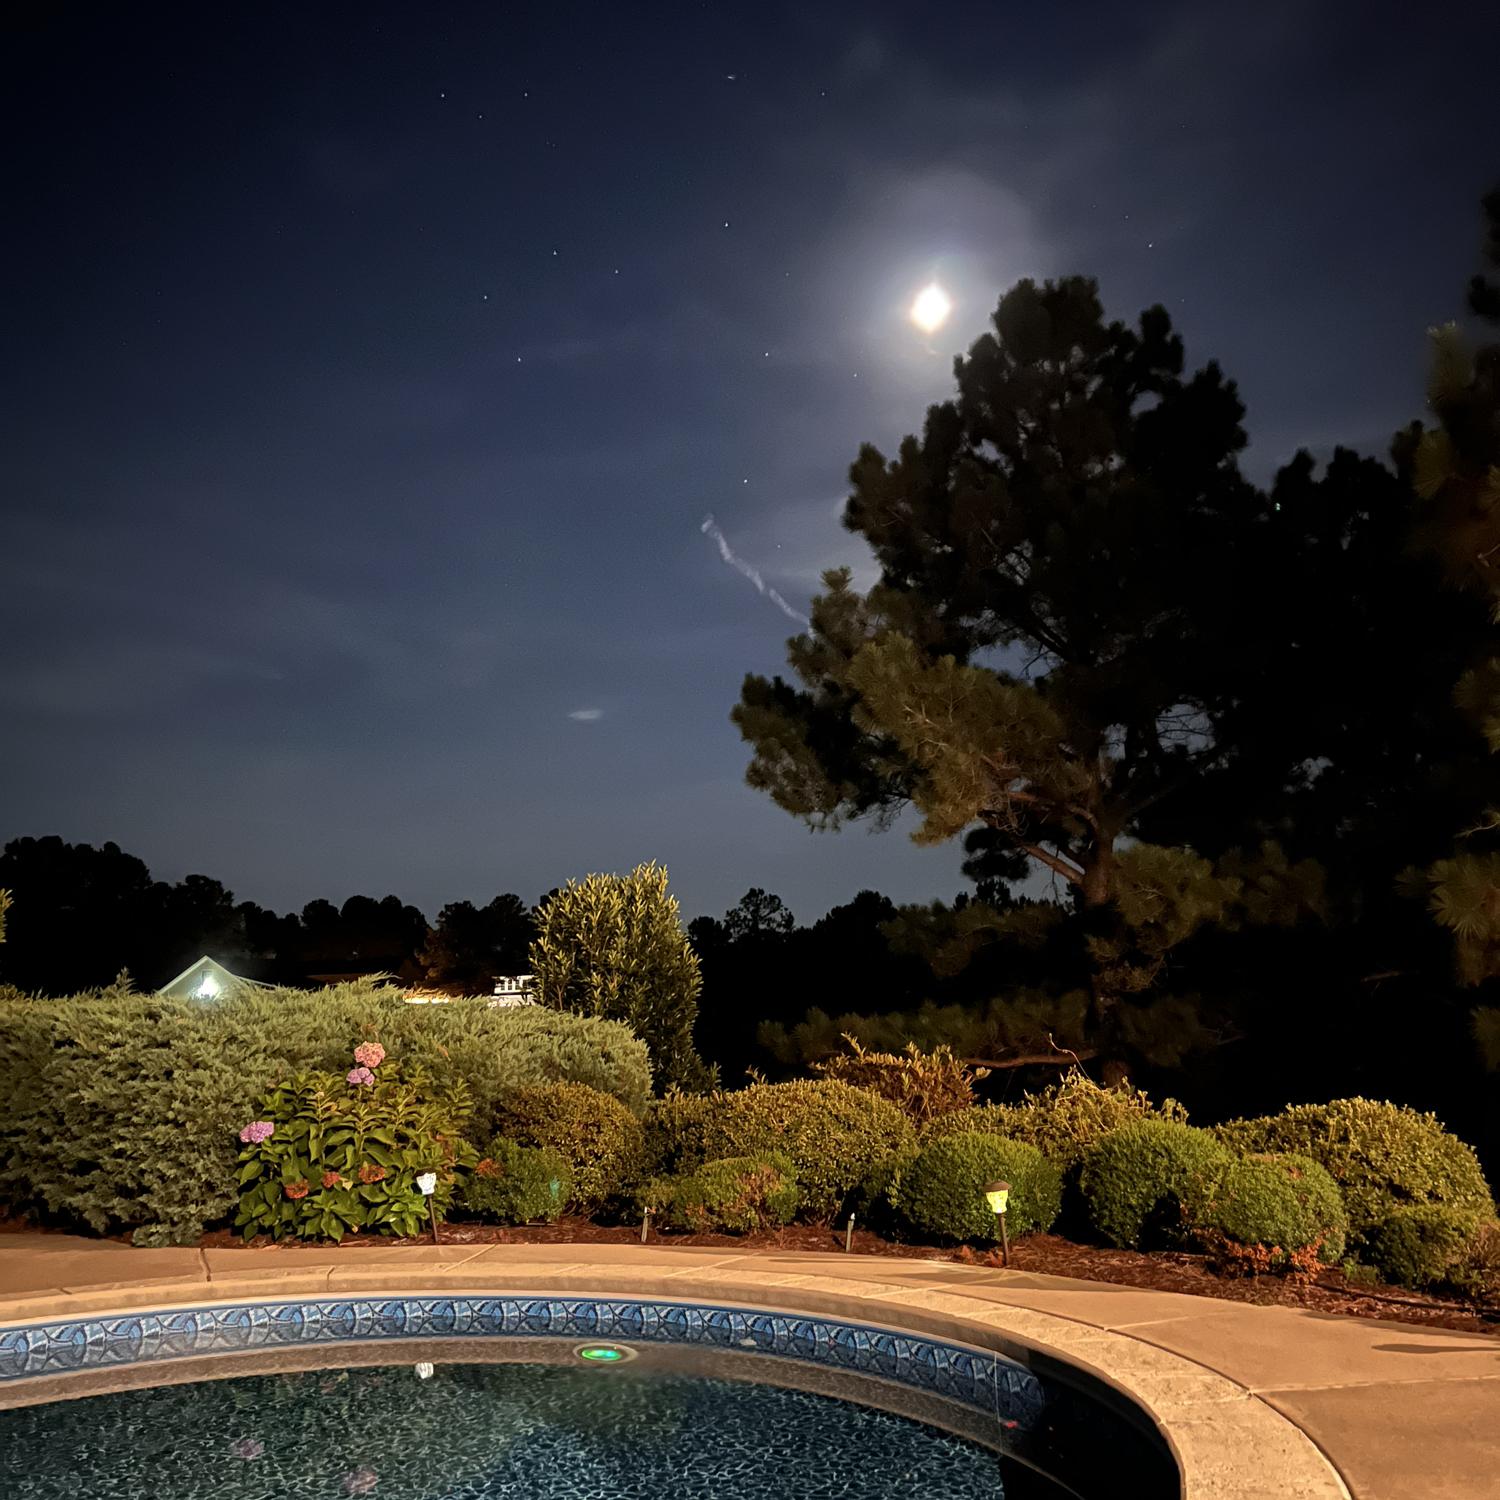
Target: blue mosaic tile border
(989,1382)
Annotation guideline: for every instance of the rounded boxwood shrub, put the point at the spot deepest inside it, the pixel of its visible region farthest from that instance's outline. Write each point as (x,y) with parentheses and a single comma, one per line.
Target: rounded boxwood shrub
(1276,1204)
(1423,1244)
(1063,1120)
(734,1195)
(515,1184)
(1137,1182)
(941,1192)
(834,1134)
(1383,1157)
(599,1139)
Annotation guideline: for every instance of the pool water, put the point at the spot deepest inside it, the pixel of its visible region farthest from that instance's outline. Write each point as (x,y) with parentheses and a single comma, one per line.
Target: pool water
(475,1431)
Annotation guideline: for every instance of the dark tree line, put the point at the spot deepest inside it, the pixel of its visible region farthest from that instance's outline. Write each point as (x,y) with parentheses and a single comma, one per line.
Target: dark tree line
(83,914)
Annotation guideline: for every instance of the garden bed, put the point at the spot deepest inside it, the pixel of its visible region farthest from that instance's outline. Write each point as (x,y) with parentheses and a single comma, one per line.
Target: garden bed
(1047,1254)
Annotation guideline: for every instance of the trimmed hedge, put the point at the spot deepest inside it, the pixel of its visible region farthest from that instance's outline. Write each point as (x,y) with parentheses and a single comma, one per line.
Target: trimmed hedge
(941,1191)
(120,1111)
(677,1127)
(735,1195)
(834,1134)
(1138,1183)
(1063,1120)
(514,1184)
(1425,1244)
(600,1140)
(1383,1156)
(1278,1204)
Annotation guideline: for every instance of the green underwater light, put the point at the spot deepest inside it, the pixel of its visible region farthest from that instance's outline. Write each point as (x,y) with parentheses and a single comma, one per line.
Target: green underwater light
(604,1354)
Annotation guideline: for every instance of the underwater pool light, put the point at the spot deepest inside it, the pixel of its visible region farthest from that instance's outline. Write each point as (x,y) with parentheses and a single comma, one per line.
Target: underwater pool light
(604,1354)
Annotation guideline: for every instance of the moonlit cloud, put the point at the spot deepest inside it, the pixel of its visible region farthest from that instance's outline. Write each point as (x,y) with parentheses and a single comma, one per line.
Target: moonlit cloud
(586,715)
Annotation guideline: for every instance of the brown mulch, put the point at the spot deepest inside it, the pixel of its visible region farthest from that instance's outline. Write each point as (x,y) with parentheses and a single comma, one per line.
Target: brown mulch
(1329,1292)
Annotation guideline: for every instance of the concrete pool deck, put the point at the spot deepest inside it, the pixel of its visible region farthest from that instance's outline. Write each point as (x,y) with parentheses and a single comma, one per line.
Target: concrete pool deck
(1258,1403)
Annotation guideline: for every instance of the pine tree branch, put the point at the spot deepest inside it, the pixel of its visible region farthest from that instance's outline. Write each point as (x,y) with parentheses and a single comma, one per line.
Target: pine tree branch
(1063,1058)
(1071,873)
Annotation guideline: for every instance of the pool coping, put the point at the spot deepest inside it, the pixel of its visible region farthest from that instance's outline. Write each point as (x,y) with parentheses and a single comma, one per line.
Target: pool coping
(1235,1434)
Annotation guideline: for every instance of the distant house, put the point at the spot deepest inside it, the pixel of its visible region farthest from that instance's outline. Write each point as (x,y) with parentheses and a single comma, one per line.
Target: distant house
(513,989)
(207,979)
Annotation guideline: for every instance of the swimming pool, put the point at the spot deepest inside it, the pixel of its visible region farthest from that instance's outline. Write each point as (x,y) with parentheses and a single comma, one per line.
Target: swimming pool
(561,1399)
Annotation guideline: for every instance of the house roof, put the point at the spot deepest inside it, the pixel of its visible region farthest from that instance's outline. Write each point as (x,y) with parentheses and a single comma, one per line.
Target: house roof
(206,965)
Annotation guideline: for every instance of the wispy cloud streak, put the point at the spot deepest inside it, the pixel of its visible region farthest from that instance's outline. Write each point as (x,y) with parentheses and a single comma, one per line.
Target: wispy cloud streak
(710,528)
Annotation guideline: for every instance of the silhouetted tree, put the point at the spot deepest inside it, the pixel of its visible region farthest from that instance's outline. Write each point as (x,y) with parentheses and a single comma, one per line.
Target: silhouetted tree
(470,945)
(1455,471)
(1041,657)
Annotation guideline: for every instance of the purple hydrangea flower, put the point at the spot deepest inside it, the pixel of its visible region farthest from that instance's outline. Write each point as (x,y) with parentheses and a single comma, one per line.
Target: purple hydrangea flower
(256,1132)
(361,1075)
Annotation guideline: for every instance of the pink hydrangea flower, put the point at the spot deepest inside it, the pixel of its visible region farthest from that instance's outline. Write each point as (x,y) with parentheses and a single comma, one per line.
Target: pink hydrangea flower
(359,1481)
(369,1054)
(361,1075)
(256,1132)
(247,1448)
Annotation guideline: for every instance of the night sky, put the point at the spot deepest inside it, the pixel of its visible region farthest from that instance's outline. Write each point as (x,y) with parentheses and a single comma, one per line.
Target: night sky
(371,371)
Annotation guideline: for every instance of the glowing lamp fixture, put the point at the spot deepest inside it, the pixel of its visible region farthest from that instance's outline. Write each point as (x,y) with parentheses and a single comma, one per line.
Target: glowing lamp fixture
(997,1195)
(208,987)
(931,308)
(604,1354)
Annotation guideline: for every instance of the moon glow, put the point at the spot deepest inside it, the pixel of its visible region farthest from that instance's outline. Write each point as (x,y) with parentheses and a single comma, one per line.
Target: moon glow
(931,308)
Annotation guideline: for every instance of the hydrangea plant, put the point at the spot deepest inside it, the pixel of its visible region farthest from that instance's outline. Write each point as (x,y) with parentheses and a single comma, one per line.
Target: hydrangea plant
(337,1155)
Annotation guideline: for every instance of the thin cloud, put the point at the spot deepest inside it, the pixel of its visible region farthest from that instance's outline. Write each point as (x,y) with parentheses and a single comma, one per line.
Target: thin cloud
(710,528)
(586,715)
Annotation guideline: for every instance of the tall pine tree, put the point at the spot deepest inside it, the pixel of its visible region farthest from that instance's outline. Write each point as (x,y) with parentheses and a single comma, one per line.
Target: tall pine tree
(1041,661)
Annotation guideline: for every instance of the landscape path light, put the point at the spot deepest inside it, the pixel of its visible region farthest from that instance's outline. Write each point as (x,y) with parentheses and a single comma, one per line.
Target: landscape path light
(997,1195)
(427,1186)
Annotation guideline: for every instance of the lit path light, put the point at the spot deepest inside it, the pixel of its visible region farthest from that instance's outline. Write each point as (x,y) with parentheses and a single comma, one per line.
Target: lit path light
(931,308)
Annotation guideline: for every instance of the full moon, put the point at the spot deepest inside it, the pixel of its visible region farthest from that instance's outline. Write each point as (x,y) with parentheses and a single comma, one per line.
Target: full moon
(931,308)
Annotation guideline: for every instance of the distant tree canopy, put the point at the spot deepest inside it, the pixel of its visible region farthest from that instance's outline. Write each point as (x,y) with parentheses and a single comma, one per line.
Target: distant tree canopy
(470,945)
(92,912)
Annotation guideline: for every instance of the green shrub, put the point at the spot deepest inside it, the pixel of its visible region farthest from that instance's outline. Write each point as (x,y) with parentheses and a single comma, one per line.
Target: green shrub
(1383,1157)
(1423,1245)
(835,1135)
(735,1195)
(331,1154)
(925,1086)
(514,1184)
(1477,1273)
(1276,1204)
(1138,1181)
(677,1129)
(599,1139)
(1063,1120)
(941,1191)
(119,1111)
